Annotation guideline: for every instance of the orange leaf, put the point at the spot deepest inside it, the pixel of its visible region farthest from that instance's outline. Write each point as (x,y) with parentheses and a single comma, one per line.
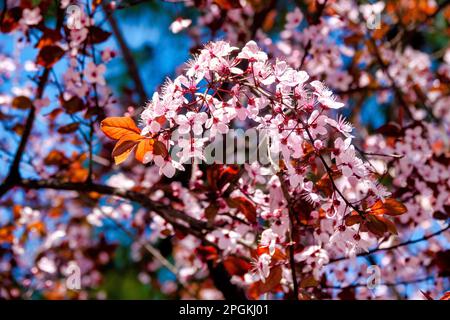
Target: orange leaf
(446,296)
(122,157)
(116,127)
(6,234)
(144,146)
(277,256)
(245,206)
(123,149)
(390,207)
(353,219)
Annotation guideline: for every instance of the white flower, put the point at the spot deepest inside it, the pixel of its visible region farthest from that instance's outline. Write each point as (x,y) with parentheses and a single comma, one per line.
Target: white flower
(179,24)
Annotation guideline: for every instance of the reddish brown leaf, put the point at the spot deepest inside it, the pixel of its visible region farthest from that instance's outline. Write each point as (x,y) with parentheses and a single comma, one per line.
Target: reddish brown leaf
(376,226)
(227,175)
(236,266)
(160,149)
(73,105)
(11,19)
(97,35)
(228,4)
(49,37)
(54,113)
(390,130)
(49,55)
(56,157)
(308,281)
(22,102)
(245,206)
(389,224)
(207,253)
(69,128)
(272,281)
(123,145)
(211,212)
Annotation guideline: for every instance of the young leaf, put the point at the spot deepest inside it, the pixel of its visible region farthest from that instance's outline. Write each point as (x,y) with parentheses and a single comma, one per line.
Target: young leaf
(116,127)
(390,207)
(144,146)
(122,157)
(123,146)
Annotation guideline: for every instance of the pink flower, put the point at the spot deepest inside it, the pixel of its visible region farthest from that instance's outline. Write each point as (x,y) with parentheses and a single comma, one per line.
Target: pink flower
(325,96)
(218,123)
(94,73)
(31,16)
(191,148)
(167,166)
(293,19)
(341,125)
(316,124)
(262,266)
(191,121)
(226,239)
(108,54)
(269,239)
(252,52)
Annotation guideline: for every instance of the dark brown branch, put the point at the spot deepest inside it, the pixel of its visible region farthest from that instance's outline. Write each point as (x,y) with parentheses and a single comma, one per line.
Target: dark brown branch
(315,20)
(221,280)
(178,219)
(127,55)
(292,235)
(171,215)
(14,172)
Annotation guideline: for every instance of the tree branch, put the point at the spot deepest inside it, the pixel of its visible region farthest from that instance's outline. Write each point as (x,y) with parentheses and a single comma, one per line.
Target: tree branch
(127,55)
(402,244)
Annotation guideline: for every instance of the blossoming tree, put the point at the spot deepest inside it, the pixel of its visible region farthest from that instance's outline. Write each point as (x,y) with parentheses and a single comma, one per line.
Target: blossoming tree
(311,202)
